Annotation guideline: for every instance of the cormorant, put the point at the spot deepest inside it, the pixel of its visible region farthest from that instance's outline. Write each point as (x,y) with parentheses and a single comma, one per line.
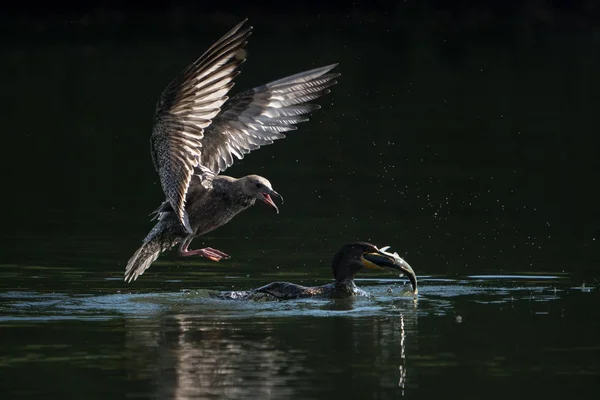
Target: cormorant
(350,259)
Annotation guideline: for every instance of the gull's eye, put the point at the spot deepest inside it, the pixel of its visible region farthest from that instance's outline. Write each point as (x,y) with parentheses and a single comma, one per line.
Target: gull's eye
(258,185)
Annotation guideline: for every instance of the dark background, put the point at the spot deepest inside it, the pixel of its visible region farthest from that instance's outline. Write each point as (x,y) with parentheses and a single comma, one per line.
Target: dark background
(462,133)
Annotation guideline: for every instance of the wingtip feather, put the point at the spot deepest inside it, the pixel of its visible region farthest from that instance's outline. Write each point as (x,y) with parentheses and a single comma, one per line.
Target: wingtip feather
(237,27)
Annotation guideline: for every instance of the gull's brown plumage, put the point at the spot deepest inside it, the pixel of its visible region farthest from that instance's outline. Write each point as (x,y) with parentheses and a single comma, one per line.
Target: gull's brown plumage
(186,108)
(198,132)
(212,200)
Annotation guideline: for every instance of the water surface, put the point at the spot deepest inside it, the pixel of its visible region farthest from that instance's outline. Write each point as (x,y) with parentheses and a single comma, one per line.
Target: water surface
(519,334)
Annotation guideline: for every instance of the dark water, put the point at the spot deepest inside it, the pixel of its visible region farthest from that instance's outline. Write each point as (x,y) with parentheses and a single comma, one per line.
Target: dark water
(523,335)
(473,152)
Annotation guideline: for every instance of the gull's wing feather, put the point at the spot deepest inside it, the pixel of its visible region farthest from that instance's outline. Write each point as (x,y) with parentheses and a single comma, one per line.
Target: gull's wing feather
(257,117)
(186,108)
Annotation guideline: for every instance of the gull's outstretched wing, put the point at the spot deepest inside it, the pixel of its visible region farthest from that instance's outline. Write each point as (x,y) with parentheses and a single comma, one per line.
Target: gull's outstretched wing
(186,108)
(257,117)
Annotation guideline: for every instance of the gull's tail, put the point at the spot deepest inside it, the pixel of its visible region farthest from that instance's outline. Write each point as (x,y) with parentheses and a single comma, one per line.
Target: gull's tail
(155,243)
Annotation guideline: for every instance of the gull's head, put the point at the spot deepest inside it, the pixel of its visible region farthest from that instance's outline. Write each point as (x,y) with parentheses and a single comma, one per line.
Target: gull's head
(260,188)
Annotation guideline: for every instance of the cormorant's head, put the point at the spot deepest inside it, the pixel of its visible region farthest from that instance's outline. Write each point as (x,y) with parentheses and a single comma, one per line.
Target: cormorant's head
(260,188)
(353,257)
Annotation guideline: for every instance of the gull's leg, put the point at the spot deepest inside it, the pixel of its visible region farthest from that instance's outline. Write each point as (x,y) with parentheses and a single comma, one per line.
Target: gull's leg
(208,252)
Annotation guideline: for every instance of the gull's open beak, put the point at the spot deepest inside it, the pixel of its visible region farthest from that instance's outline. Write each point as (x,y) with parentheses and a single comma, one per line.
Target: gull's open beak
(266,197)
(383,260)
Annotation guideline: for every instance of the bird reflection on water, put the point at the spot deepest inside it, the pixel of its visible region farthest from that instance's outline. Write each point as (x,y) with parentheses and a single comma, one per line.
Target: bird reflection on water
(185,356)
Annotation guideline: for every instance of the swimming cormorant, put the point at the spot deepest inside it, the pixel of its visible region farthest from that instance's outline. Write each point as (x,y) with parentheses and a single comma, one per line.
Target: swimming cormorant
(350,259)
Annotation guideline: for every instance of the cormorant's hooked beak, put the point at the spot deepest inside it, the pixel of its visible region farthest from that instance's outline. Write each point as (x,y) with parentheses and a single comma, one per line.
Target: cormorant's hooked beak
(382,259)
(266,197)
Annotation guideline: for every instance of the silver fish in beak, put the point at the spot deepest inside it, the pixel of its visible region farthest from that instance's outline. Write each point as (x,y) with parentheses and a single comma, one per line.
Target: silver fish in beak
(384,260)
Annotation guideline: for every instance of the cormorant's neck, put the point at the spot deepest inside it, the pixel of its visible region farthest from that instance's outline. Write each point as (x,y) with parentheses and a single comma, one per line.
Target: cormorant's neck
(347,288)
(346,282)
